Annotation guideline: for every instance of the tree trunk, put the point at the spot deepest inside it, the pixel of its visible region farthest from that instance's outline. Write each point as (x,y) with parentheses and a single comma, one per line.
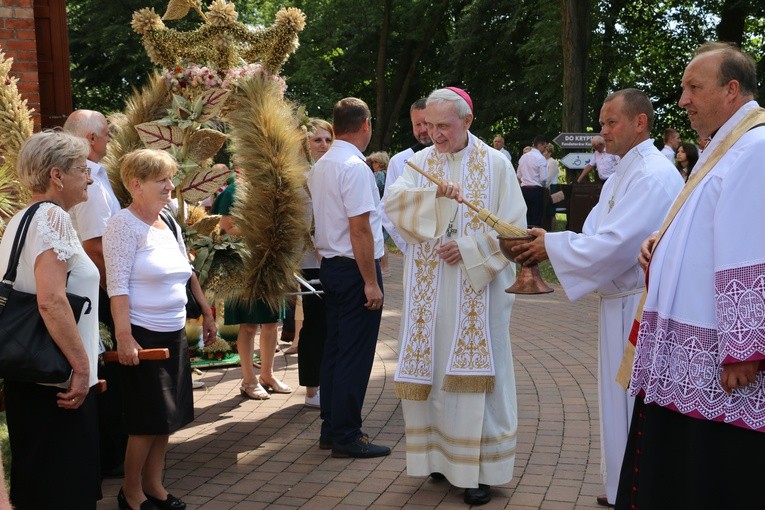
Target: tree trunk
(607,54)
(409,69)
(575,39)
(733,15)
(381,83)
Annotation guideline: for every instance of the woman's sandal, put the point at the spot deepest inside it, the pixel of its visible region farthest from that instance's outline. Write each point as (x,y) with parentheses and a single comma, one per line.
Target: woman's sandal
(254,391)
(276,387)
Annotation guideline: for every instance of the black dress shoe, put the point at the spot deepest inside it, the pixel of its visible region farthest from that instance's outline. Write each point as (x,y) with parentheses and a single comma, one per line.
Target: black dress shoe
(171,503)
(325,444)
(437,476)
(603,501)
(478,496)
(361,448)
(123,503)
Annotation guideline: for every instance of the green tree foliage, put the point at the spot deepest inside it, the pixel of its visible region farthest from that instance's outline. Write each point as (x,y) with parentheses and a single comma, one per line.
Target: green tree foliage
(506,53)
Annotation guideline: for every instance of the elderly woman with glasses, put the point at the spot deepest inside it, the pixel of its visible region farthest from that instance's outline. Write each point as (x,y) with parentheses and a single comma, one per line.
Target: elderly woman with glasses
(50,425)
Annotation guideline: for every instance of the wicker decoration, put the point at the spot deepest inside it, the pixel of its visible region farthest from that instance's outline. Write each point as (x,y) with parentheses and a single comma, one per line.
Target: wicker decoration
(148,104)
(15,128)
(222,78)
(270,204)
(221,41)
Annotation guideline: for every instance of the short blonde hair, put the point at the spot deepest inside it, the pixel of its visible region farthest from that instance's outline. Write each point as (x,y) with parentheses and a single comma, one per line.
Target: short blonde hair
(380,158)
(147,164)
(315,123)
(46,150)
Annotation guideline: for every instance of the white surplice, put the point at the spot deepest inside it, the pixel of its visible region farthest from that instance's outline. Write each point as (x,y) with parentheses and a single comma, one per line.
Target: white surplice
(705,305)
(469,437)
(603,258)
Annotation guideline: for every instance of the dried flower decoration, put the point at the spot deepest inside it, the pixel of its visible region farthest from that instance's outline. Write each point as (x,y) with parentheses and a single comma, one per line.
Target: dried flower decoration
(221,13)
(15,127)
(146,20)
(270,46)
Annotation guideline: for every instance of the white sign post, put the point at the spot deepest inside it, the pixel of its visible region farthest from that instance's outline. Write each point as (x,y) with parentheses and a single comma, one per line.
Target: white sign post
(576,160)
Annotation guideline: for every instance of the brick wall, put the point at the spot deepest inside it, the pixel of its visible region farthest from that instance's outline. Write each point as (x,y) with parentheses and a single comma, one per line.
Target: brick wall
(17,39)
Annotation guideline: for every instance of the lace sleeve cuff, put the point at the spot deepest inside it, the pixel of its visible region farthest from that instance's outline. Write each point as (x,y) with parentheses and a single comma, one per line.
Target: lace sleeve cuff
(55,231)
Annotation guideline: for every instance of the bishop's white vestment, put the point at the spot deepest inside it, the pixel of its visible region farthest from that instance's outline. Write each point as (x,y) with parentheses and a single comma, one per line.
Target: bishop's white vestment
(603,258)
(455,372)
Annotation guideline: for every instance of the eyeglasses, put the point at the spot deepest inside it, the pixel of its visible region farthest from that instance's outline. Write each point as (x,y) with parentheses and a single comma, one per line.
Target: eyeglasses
(84,169)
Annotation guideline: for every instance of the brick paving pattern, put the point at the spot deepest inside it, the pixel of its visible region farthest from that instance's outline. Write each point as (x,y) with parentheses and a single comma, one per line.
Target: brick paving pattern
(245,454)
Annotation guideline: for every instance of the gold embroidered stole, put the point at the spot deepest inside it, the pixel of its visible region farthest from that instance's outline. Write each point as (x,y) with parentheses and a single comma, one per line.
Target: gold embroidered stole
(752,119)
(470,367)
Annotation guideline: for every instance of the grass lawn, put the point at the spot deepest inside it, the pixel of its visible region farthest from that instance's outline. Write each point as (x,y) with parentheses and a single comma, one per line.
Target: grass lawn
(5,447)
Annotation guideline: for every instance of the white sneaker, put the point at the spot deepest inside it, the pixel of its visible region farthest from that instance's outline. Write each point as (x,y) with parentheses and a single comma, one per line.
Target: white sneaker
(314,401)
(197,384)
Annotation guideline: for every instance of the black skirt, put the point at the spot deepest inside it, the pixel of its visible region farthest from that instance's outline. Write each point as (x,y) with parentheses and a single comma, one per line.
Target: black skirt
(677,461)
(54,451)
(157,395)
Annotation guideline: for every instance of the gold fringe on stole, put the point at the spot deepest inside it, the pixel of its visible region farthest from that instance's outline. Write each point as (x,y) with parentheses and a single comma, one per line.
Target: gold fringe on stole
(468,383)
(625,368)
(411,391)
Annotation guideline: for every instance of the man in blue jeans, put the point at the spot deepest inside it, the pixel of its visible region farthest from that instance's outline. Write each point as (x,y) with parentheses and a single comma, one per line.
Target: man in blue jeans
(349,240)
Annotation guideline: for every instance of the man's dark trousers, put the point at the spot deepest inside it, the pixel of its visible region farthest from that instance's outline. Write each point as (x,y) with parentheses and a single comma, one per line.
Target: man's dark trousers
(349,351)
(534,197)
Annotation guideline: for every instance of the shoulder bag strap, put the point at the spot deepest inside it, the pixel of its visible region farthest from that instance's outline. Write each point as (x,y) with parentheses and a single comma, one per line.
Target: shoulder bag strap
(18,242)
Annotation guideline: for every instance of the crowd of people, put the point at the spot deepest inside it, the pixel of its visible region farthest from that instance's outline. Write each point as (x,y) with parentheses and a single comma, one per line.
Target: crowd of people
(685,345)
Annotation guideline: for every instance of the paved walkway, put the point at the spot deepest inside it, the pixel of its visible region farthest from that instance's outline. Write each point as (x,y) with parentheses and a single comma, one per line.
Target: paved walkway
(245,454)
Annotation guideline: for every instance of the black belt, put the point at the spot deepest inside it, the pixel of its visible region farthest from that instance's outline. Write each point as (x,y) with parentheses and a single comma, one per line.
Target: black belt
(344,259)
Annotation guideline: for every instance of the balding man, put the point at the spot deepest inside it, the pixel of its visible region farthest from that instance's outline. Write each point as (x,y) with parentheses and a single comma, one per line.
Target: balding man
(697,438)
(455,369)
(499,144)
(604,162)
(89,219)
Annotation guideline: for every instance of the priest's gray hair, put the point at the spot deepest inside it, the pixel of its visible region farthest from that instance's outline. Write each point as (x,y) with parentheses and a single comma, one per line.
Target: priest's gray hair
(446,95)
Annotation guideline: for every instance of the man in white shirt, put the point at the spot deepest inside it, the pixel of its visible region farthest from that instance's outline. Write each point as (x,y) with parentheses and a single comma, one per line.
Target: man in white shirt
(671,144)
(499,144)
(398,162)
(532,174)
(633,202)
(89,219)
(603,161)
(348,237)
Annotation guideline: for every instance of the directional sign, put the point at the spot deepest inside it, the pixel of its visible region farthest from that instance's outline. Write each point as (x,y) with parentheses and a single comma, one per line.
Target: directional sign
(574,140)
(576,160)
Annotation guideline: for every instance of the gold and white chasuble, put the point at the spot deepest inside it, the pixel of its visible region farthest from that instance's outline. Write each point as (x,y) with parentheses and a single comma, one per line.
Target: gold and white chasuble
(455,369)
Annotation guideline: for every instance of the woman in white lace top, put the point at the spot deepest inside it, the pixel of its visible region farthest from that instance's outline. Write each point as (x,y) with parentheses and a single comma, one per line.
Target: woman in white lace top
(146,273)
(52,426)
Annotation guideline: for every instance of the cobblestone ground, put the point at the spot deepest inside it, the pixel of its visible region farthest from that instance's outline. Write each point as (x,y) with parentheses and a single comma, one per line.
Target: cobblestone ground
(246,454)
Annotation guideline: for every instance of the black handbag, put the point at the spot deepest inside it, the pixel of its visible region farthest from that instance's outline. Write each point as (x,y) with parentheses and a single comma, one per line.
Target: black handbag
(193,310)
(27,351)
